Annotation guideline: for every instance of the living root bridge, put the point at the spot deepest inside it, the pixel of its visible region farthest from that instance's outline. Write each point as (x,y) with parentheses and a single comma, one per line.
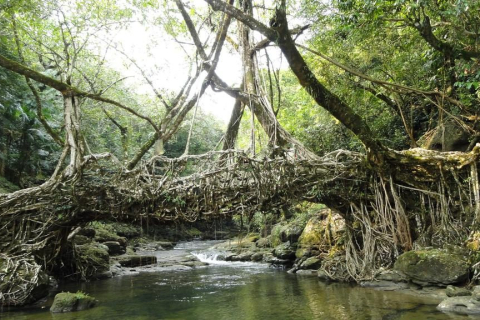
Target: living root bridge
(417,194)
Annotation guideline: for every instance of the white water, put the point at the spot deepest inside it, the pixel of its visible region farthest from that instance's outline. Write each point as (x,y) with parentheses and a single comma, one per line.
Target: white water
(217,258)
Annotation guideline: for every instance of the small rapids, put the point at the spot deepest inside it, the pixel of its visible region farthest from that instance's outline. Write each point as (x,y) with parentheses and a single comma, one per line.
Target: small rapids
(213,257)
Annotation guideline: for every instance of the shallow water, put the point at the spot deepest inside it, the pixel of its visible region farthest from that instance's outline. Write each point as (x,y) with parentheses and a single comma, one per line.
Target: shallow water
(236,291)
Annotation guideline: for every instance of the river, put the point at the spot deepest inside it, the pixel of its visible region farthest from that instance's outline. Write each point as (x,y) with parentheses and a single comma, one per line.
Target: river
(233,291)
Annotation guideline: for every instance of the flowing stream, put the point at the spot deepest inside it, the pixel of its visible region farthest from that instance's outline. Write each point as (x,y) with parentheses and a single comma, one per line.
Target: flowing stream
(228,290)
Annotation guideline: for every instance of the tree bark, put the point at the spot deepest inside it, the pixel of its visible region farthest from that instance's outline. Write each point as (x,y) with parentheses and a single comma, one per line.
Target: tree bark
(233,125)
(280,34)
(73,134)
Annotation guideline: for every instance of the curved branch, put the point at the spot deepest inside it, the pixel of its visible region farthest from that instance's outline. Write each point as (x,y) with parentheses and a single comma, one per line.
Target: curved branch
(390,85)
(38,100)
(426,32)
(65,88)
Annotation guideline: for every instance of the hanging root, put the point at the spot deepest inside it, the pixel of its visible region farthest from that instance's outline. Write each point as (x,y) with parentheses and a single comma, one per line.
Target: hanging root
(20,278)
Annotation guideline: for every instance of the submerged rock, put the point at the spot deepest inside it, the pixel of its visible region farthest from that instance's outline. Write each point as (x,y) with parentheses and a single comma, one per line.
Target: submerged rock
(132,261)
(384,285)
(323,276)
(309,272)
(452,291)
(68,302)
(433,267)
(460,305)
(391,275)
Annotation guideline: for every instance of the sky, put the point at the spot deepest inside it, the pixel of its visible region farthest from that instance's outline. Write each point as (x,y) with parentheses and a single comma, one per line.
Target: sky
(166,65)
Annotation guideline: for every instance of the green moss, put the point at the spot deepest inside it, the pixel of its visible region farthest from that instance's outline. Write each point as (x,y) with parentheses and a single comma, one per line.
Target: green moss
(105,232)
(6,186)
(67,302)
(194,232)
(433,266)
(92,259)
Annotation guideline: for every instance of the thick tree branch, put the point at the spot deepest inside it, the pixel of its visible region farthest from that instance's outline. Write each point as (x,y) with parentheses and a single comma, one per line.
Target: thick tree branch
(307,79)
(33,89)
(252,23)
(65,88)
(319,93)
(425,30)
(388,85)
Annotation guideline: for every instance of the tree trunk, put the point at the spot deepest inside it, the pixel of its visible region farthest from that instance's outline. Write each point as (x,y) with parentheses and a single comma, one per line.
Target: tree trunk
(233,125)
(73,135)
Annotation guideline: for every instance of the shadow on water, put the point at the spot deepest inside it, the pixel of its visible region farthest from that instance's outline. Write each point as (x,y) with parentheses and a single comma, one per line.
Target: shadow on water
(249,291)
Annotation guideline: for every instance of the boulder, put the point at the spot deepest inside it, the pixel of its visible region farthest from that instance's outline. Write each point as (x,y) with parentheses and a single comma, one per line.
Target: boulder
(384,285)
(320,234)
(257,256)
(126,230)
(306,272)
(291,232)
(167,245)
(268,257)
(245,256)
(231,257)
(460,305)
(132,261)
(68,302)
(391,275)
(280,262)
(79,239)
(476,293)
(93,258)
(285,251)
(104,235)
(452,291)
(114,248)
(311,263)
(87,232)
(433,267)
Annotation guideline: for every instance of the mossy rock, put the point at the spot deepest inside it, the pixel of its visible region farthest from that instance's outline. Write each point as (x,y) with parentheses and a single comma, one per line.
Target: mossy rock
(321,234)
(433,267)
(104,235)
(88,232)
(285,251)
(132,261)
(311,263)
(291,232)
(126,230)
(92,259)
(81,240)
(68,302)
(115,248)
